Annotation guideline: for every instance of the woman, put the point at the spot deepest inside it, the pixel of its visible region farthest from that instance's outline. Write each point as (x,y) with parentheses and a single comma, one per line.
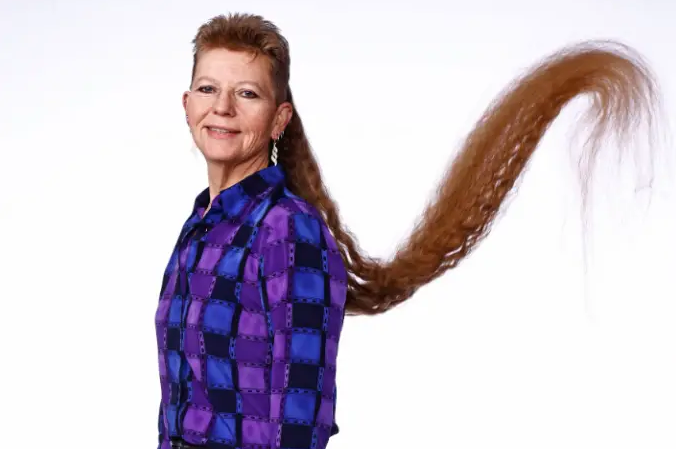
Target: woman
(263,272)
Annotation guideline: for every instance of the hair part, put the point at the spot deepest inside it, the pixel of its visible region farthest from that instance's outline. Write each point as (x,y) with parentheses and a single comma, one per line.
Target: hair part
(484,172)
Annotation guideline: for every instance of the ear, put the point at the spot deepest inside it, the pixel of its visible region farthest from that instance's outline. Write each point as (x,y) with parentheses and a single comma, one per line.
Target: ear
(185,101)
(284,114)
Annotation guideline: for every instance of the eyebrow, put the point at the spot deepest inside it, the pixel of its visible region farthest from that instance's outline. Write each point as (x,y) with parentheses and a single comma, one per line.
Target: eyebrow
(208,78)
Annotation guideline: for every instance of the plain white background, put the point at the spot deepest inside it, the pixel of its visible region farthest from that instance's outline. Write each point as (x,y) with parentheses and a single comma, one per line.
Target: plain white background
(511,349)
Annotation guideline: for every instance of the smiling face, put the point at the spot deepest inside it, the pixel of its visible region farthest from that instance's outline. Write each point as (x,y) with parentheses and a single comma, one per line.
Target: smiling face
(231,107)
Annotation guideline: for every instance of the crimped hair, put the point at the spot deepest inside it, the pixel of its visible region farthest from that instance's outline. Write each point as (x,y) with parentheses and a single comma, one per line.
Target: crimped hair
(493,156)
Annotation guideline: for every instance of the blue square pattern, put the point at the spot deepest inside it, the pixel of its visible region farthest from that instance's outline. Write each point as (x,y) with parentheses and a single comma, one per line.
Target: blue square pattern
(308,285)
(223,428)
(306,346)
(259,212)
(218,317)
(171,414)
(233,199)
(300,406)
(307,228)
(229,264)
(219,373)
(173,365)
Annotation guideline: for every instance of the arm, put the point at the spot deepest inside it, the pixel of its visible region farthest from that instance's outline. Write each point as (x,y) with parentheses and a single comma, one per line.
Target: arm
(163,441)
(304,290)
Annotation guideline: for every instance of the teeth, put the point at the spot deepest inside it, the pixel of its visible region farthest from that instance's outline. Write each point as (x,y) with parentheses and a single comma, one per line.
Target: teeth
(220,130)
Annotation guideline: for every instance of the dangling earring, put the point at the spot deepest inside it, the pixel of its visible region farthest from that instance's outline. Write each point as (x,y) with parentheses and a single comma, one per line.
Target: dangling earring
(273,156)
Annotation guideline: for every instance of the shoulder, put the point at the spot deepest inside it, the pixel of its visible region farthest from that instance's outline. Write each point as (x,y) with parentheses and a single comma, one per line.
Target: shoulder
(292,218)
(294,239)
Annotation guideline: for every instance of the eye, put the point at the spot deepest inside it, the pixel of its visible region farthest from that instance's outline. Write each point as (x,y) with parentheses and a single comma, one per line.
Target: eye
(206,89)
(249,94)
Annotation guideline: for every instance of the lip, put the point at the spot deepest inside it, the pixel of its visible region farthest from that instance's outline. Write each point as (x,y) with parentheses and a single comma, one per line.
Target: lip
(223,127)
(216,135)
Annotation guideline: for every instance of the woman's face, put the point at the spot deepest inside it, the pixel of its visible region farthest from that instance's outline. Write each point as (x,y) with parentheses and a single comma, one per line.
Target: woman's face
(231,106)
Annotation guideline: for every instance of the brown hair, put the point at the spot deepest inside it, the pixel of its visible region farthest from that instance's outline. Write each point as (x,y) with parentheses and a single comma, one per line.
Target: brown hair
(483,173)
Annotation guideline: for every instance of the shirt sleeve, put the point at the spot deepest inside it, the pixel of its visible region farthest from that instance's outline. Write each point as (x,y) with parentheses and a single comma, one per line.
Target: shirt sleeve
(303,287)
(163,441)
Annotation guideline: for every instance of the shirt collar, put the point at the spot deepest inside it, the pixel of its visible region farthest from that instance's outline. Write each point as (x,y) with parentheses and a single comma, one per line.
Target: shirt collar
(230,203)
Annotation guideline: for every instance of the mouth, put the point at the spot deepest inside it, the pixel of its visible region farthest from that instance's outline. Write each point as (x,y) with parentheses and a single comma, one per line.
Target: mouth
(221,130)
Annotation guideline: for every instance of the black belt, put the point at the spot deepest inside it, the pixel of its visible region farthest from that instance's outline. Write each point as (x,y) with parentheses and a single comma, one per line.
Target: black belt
(181,444)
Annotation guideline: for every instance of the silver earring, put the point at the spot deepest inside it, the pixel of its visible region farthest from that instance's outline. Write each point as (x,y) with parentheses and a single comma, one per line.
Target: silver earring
(273,156)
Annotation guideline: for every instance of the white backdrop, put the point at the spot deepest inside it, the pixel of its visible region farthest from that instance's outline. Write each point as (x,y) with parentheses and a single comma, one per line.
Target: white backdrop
(97,175)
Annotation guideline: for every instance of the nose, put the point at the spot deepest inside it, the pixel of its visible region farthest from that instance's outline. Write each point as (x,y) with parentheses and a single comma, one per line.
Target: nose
(224,104)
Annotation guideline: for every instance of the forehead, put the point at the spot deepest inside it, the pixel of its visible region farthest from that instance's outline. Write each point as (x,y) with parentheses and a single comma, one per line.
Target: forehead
(229,66)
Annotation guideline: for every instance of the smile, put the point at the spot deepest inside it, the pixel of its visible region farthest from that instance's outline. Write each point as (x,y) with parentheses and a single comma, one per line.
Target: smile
(220,132)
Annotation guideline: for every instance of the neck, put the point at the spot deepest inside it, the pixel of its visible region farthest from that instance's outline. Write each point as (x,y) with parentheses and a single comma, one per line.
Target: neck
(222,175)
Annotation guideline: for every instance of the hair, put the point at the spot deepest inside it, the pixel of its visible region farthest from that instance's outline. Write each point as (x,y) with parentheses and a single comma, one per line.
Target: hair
(484,171)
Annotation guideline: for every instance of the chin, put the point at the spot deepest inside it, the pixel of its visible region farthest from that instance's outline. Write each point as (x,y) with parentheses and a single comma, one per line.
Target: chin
(220,153)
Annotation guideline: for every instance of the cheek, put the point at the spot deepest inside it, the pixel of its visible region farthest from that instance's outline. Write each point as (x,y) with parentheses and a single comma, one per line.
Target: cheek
(196,113)
(260,126)
(196,120)
(259,122)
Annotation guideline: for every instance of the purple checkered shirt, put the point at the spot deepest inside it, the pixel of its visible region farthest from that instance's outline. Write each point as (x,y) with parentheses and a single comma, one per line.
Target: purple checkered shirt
(248,323)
